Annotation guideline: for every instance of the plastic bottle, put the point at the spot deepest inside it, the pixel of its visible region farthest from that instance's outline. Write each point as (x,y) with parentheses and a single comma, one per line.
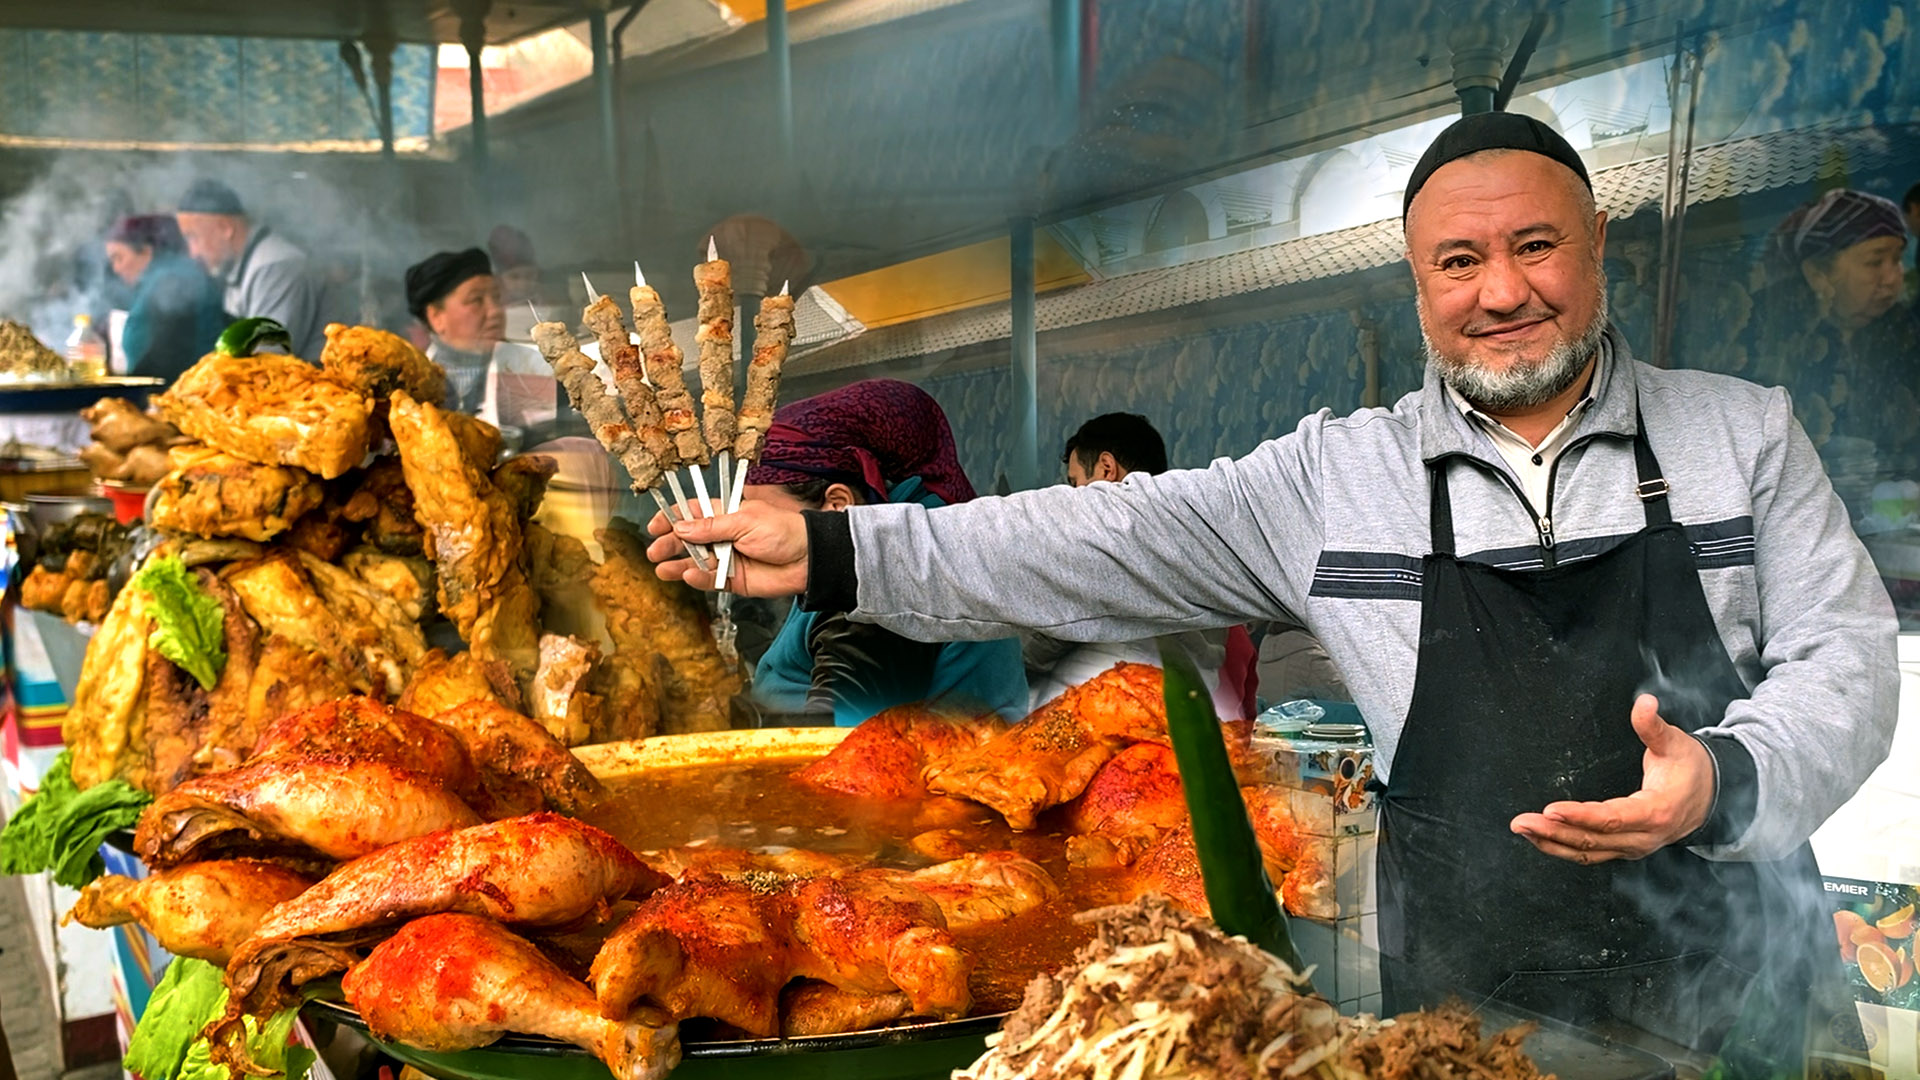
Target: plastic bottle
(86,350)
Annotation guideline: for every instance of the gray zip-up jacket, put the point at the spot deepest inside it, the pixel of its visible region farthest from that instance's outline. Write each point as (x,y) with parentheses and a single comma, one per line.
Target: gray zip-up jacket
(1329,523)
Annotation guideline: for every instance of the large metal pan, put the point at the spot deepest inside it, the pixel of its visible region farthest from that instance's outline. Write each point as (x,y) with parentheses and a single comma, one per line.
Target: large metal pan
(900,1052)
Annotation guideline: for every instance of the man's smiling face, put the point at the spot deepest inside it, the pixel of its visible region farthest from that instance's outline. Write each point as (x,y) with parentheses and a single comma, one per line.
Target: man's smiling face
(1506,254)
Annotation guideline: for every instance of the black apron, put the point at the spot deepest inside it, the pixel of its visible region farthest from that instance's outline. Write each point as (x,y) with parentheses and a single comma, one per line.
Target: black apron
(1524,686)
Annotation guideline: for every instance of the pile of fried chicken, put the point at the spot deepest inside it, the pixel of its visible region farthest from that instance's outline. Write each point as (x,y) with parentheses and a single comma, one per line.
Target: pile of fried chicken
(336,513)
(429,862)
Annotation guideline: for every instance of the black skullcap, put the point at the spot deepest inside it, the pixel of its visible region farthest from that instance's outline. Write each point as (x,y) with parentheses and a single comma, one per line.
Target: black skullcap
(432,278)
(1492,131)
(210,196)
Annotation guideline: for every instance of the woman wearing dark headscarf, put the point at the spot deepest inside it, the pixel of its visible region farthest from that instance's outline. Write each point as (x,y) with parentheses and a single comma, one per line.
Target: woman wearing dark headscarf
(174,317)
(1831,329)
(871,442)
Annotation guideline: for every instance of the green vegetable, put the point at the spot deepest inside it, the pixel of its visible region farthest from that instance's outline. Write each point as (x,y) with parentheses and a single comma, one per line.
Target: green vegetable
(61,828)
(245,336)
(191,625)
(1238,889)
(192,994)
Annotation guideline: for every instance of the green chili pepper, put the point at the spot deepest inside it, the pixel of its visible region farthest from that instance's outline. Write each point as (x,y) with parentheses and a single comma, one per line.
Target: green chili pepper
(244,336)
(1238,889)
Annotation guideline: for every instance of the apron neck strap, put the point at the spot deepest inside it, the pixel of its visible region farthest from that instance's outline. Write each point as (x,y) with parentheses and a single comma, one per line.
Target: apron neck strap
(1652,490)
(1439,510)
(1653,486)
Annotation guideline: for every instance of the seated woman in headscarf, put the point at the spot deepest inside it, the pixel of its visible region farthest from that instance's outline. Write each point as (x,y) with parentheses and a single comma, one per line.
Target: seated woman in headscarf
(174,316)
(1831,330)
(875,441)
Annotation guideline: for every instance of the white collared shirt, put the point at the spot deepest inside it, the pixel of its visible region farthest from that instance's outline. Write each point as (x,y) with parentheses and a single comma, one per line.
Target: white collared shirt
(1533,465)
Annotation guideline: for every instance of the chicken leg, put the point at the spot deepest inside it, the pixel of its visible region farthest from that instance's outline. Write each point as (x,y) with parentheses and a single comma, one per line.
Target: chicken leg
(454,982)
(203,910)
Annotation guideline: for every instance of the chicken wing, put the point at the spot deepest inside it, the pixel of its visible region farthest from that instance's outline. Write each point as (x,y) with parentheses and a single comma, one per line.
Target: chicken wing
(454,982)
(376,363)
(884,757)
(338,807)
(203,910)
(708,947)
(539,870)
(363,729)
(273,410)
(213,493)
(1052,755)
(519,762)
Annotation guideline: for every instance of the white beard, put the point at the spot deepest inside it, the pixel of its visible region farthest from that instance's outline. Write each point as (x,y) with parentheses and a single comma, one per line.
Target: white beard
(1522,385)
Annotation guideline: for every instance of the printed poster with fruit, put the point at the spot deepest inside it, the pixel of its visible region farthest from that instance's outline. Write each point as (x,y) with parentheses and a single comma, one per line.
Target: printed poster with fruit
(1873,923)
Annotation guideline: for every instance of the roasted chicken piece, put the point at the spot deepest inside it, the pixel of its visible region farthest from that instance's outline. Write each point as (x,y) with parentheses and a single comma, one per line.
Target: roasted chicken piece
(647,616)
(866,932)
(473,536)
(213,493)
(119,425)
(204,910)
(1131,801)
(520,764)
(1052,755)
(707,946)
(273,410)
(441,682)
(808,1007)
(454,982)
(363,729)
(382,504)
(407,580)
(710,860)
(277,593)
(978,890)
(376,363)
(884,757)
(337,807)
(378,628)
(538,870)
(561,701)
(108,699)
(1299,863)
(289,676)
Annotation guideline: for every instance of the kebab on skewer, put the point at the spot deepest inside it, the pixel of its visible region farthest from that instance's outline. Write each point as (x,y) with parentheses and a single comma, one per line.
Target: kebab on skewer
(773,334)
(714,280)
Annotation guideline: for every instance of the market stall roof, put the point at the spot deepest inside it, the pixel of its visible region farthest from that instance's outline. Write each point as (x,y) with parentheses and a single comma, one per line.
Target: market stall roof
(411,21)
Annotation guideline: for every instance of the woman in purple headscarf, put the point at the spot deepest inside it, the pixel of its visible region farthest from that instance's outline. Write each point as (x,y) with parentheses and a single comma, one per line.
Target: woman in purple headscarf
(872,442)
(1833,332)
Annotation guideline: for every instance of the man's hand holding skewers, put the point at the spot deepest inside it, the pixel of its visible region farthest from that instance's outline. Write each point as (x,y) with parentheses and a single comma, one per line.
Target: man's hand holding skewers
(769,545)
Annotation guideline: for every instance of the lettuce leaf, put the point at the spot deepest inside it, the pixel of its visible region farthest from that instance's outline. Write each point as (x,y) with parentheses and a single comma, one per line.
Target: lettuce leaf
(191,995)
(190,625)
(61,827)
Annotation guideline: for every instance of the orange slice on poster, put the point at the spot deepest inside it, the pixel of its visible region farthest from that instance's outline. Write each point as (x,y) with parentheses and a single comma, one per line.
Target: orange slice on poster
(1899,924)
(1879,966)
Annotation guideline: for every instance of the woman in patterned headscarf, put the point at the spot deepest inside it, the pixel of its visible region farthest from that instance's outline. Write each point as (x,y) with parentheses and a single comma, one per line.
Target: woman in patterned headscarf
(1833,332)
(872,442)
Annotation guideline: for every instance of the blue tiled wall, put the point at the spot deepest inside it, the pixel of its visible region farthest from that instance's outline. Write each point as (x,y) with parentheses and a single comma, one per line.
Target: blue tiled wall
(201,89)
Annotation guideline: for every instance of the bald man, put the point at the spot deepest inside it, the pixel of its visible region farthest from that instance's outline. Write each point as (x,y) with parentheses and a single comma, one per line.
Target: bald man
(1618,647)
